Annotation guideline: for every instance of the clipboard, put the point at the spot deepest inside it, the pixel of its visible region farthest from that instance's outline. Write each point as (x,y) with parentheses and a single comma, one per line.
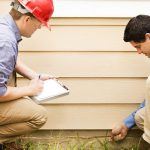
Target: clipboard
(52,89)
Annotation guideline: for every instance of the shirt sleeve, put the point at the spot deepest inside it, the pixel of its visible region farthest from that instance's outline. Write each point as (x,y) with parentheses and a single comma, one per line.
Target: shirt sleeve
(7,62)
(130,121)
(3,87)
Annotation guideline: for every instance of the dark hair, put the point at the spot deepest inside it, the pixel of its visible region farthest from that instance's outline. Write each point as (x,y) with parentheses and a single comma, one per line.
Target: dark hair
(16,14)
(136,29)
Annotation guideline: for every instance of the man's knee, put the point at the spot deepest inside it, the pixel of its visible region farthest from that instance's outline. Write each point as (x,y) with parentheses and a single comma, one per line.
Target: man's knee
(39,118)
(139,120)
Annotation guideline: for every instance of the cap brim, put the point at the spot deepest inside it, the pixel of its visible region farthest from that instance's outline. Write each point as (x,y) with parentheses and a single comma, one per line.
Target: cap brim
(47,25)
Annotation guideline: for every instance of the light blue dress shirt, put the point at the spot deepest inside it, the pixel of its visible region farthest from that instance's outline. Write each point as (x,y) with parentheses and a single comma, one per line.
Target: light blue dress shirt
(9,38)
(130,121)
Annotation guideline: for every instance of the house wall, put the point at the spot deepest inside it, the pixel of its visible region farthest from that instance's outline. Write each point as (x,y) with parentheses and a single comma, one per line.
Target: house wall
(106,76)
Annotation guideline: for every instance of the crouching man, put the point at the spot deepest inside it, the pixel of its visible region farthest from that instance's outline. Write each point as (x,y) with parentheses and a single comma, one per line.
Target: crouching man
(18,114)
(137,33)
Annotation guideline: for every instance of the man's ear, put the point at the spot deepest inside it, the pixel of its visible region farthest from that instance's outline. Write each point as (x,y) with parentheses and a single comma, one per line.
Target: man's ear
(26,18)
(147,36)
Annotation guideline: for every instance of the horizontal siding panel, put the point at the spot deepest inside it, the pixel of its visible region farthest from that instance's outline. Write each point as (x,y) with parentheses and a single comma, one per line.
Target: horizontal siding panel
(77,38)
(88,64)
(86,116)
(99,90)
(89,21)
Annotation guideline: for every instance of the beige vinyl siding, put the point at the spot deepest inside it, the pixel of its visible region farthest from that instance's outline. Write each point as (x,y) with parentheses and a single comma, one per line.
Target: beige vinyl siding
(106,76)
(100,90)
(92,116)
(81,38)
(88,64)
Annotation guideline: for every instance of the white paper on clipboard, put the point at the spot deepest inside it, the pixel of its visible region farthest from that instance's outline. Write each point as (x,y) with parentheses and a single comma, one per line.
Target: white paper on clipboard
(52,89)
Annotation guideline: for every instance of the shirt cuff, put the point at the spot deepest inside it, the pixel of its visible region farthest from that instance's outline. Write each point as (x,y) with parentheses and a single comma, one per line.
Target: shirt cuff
(129,122)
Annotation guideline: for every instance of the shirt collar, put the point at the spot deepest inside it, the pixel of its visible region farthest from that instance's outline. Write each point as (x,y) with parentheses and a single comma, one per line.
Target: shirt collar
(14,28)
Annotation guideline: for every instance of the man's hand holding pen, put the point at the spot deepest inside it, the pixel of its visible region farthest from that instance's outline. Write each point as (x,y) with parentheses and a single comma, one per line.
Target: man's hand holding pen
(35,86)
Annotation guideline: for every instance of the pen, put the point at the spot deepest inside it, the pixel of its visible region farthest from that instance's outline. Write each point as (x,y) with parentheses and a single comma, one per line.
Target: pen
(39,76)
(62,85)
(65,87)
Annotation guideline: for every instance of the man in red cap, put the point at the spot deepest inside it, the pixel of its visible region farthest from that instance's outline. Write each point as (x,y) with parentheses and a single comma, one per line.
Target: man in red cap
(19,114)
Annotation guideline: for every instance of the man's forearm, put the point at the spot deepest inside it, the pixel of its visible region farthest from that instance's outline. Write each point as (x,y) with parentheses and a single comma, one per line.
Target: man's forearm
(13,93)
(25,71)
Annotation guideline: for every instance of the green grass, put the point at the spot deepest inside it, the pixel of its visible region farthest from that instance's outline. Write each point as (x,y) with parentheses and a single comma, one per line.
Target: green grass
(60,142)
(72,144)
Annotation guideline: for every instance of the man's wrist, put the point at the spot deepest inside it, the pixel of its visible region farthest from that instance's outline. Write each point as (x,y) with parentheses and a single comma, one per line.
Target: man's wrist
(126,126)
(27,90)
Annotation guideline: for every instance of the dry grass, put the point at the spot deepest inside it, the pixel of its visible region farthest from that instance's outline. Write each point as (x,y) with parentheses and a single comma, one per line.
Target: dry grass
(70,143)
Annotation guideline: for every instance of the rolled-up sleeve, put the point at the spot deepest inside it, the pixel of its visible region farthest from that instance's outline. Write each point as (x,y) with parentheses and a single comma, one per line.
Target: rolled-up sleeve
(130,121)
(3,87)
(7,63)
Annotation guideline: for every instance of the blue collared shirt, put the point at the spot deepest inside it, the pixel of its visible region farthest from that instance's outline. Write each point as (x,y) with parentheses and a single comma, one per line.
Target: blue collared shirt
(130,121)
(9,38)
